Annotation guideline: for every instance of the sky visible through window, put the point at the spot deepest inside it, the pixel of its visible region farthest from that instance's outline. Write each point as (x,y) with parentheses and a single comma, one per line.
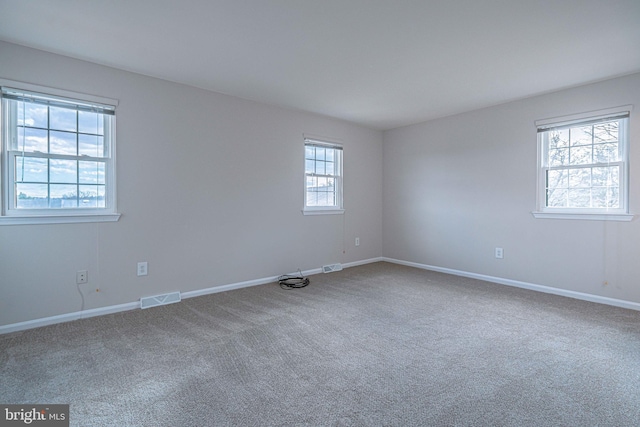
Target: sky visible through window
(321,169)
(58,162)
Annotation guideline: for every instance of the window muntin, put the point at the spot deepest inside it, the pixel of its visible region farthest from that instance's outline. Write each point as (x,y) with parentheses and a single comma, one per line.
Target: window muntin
(323,176)
(58,155)
(583,166)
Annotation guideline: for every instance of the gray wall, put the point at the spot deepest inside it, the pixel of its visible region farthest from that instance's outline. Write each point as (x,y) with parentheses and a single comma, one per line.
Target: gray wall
(456,188)
(211,192)
(210,188)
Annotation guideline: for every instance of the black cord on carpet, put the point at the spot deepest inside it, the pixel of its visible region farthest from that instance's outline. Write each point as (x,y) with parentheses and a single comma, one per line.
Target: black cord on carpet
(293,282)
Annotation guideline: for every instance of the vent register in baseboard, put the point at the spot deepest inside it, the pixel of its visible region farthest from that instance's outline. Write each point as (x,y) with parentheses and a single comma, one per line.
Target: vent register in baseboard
(164,299)
(331,267)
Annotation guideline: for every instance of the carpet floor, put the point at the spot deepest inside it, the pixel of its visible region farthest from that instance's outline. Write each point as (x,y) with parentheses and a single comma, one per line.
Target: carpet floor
(374,345)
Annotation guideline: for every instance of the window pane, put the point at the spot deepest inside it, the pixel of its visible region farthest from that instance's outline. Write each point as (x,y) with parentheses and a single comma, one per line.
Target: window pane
(30,114)
(63,119)
(605,176)
(605,153)
(331,184)
(31,169)
(579,198)
(605,197)
(91,145)
(91,172)
(31,140)
(606,132)
(309,152)
(312,198)
(320,153)
(558,178)
(613,197)
(312,182)
(580,178)
(102,201)
(581,155)
(599,197)
(63,143)
(322,183)
(31,196)
(559,138)
(559,157)
(63,196)
(90,123)
(88,197)
(330,154)
(557,198)
(63,171)
(326,198)
(580,135)
(330,168)
(309,166)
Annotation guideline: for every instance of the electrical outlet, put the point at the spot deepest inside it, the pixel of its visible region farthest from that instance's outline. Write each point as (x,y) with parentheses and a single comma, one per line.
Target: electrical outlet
(142,268)
(357,241)
(82,276)
(499,253)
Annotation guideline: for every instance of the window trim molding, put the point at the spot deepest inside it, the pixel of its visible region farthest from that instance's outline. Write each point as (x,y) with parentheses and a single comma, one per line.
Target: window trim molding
(602,214)
(561,121)
(58,219)
(60,93)
(60,216)
(583,216)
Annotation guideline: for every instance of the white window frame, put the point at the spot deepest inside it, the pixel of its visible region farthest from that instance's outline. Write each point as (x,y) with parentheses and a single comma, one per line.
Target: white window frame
(10,214)
(336,174)
(621,213)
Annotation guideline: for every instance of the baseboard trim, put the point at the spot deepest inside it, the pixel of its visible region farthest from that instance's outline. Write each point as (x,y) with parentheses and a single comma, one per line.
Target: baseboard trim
(525,285)
(68,317)
(265,280)
(363,262)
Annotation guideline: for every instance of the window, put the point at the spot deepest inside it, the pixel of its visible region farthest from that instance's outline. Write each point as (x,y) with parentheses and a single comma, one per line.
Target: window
(57,159)
(583,168)
(323,177)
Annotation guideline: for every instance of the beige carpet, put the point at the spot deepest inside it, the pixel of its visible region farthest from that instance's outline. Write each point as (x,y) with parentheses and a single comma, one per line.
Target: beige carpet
(375,345)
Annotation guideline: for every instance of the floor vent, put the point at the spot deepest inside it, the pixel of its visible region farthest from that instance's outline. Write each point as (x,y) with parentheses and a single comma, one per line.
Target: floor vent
(331,267)
(164,299)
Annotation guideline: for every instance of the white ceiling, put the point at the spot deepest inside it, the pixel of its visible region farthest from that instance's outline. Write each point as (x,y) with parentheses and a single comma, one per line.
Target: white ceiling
(379,63)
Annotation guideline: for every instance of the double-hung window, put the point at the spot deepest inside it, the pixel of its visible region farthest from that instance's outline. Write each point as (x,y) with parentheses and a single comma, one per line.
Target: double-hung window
(323,177)
(57,158)
(583,166)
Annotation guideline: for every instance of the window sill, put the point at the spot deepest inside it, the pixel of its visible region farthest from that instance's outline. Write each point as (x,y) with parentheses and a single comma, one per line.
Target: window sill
(57,219)
(322,211)
(583,216)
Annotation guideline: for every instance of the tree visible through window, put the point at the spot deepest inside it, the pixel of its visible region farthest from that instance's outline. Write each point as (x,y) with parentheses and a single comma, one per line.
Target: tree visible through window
(583,166)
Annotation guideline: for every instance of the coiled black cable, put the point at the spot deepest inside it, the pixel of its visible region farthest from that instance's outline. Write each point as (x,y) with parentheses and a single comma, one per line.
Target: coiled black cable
(287,281)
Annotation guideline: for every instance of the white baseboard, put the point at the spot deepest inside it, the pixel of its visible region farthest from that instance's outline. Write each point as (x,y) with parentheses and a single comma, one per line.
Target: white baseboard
(266,280)
(68,317)
(363,262)
(525,285)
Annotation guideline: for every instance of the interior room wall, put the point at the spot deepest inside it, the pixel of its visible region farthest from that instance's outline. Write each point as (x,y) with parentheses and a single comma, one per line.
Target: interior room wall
(456,188)
(210,188)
